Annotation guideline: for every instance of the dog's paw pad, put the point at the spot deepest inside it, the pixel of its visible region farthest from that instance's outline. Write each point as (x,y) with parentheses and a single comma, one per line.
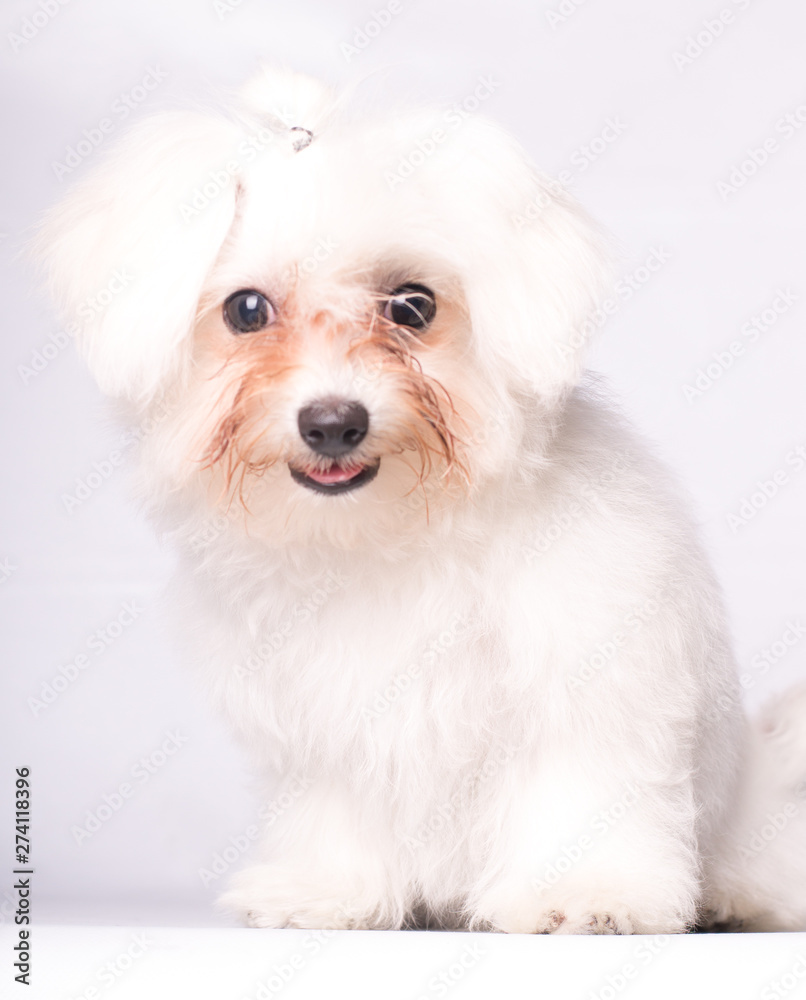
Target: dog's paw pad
(255,918)
(597,923)
(603,923)
(550,922)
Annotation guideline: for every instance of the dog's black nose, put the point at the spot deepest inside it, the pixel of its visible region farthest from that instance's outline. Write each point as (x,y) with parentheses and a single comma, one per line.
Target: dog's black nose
(333,427)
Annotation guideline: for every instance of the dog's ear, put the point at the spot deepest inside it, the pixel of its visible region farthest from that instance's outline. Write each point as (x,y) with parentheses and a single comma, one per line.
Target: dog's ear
(541,265)
(127,251)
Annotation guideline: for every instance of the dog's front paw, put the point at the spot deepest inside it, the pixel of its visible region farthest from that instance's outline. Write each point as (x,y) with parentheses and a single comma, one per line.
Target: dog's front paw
(549,922)
(271,896)
(595,923)
(579,912)
(571,919)
(332,917)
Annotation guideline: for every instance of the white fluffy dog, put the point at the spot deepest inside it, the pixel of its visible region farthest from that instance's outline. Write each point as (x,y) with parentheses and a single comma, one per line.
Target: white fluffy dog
(428,577)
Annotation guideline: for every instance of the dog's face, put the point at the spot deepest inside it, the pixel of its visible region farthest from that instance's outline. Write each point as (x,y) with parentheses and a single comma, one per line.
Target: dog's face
(340,340)
(330,359)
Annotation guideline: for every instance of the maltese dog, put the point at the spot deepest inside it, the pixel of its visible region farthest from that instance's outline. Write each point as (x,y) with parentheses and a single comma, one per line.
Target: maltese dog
(428,576)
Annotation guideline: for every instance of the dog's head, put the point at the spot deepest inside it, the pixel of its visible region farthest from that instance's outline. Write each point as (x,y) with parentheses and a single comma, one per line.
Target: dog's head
(341,326)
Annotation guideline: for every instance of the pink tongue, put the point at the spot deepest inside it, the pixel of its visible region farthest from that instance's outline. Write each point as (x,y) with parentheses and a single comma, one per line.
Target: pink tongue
(335,474)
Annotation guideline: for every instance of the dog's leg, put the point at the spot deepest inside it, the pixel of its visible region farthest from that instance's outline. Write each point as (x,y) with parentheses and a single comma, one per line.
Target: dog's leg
(590,853)
(322,869)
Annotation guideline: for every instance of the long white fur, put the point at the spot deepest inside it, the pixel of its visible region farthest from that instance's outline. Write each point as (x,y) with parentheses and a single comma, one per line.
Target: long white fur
(510,704)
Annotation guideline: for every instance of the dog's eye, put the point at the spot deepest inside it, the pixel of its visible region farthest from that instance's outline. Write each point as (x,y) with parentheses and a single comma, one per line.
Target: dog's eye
(413,306)
(247,311)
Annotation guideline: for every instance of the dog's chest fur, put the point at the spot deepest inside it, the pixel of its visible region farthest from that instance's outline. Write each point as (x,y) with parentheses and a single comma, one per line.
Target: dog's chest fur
(359,669)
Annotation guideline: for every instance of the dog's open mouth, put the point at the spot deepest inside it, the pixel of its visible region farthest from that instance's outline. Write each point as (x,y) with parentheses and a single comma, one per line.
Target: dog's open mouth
(337,478)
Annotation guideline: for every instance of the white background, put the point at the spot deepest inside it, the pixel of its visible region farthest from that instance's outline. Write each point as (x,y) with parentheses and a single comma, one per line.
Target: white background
(683,129)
